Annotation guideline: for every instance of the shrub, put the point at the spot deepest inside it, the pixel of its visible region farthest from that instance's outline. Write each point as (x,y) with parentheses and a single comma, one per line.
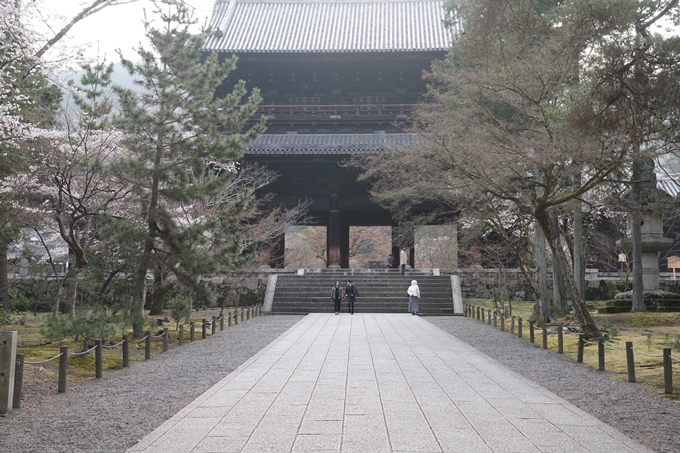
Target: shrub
(179,308)
(20,303)
(89,324)
(5,318)
(607,289)
(253,296)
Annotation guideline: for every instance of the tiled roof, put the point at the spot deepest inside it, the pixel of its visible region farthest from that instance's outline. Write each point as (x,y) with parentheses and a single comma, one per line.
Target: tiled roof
(318,144)
(670,186)
(328,26)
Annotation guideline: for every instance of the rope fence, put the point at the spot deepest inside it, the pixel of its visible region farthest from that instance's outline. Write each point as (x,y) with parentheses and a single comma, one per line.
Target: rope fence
(478,313)
(244,314)
(43,361)
(83,352)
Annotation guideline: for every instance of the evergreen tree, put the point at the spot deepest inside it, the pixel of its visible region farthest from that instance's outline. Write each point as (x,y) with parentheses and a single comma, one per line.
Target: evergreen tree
(183,140)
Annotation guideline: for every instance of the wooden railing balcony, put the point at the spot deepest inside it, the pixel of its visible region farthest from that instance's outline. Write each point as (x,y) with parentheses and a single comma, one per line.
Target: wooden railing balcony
(339,113)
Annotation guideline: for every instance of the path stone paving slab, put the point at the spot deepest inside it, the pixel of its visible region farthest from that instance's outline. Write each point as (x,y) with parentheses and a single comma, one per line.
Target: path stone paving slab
(379,383)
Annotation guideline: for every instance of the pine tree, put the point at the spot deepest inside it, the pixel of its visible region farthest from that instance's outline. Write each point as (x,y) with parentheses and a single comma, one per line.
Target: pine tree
(183,140)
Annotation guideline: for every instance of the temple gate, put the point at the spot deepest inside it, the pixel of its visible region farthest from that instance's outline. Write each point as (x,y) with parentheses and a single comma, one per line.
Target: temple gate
(337,79)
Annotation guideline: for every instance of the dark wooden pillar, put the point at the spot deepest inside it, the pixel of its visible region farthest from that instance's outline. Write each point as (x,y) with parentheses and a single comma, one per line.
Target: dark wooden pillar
(277,253)
(402,237)
(344,245)
(333,236)
(396,248)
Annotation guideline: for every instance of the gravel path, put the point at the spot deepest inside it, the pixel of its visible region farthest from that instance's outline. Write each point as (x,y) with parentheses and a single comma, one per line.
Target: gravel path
(111,414)
(646,416)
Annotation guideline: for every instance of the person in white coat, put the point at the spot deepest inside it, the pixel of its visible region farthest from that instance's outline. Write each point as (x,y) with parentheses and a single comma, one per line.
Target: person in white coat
(413,297)
(403,259)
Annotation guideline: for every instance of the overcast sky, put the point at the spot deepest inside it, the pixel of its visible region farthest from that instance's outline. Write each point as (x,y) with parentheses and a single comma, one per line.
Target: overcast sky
(119,27)
(116,27)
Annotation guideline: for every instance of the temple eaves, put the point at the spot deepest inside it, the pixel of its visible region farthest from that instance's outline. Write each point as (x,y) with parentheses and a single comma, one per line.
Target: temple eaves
(336,144)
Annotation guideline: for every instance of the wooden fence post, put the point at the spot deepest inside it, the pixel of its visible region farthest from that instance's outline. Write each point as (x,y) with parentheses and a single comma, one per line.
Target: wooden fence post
(241,314)
(126,352)
(18,381)
(482,310)
(495,320)
(519,327)
(545,337)
(180,340)
(531,331)
(512,325)
(63,360)
(213,326)
(98,359)
(192,331)
(488,317)
(204,331)
(581,344)
(147,346)
(630,359)
(560,340)
(228,319)
(667,372)
(600,353)
(8,358)
(502,323)
(165,339)
(221,322)
(235,316)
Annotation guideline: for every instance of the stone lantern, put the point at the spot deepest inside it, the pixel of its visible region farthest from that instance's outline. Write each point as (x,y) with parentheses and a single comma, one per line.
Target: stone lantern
(652,243)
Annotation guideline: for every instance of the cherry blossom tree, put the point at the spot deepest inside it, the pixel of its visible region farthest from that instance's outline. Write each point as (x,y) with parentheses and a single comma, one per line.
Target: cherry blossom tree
(31,49)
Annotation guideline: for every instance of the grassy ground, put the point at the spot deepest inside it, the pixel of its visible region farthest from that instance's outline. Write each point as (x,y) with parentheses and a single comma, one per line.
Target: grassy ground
(650,333)
(33,344)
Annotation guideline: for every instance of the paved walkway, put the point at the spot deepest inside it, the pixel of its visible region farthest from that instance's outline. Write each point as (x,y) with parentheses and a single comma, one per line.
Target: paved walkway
(379,383)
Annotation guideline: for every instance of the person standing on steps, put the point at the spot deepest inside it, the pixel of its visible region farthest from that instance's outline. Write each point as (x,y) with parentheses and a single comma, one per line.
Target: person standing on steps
(403,259)
(413,297)
(389,261)
(336,297)
(351,293)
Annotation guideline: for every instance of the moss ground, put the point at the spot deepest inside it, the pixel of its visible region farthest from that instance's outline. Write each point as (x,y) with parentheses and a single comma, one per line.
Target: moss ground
(33,344)
(649,332)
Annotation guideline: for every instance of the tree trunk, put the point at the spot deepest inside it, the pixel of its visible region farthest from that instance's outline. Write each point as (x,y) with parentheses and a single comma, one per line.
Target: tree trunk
(57,301)
(542,311)
(159,292)
(638,285)
(4,284)
(559,296)
(71,286)
(579,261)
(581,312)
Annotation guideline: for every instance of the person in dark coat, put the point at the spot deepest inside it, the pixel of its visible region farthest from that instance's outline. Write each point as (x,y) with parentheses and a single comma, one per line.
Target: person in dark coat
(336,297)
(351,293)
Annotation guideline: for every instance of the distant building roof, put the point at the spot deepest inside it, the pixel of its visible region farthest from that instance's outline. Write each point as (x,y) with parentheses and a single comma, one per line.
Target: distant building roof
(318,144)
(297,26)
(669,185)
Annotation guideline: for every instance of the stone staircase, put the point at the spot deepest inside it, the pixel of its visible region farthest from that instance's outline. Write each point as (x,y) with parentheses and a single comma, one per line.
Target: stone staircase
(380,291)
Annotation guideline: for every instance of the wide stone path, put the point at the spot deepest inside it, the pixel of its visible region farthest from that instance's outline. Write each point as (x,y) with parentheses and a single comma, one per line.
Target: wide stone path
(379,383)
